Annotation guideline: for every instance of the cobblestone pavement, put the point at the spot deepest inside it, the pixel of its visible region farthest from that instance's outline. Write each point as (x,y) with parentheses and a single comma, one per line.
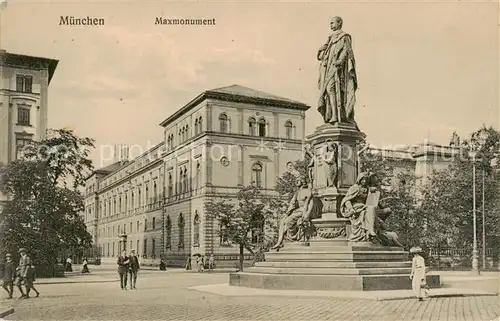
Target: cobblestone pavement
(166,297)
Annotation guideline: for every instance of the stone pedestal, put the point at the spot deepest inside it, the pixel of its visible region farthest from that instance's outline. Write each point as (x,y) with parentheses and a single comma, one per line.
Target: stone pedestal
(329,261)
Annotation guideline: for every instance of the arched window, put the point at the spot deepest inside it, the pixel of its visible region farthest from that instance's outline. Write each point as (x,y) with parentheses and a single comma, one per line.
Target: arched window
(187,132)
(180,135)
(257,174)
(180,224)
(196,227)
(200,124)
(198,175)
(252,124)
(139,201)
(154,192)
(262,127)
(168,228)
(186,182)
(196,127)
(132,200)
(147,194)
(181,181)
(120,205)
(223,120)
(288,129)
(126,202)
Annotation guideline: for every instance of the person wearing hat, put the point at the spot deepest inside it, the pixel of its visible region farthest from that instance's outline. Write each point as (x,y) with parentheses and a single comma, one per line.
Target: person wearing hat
(9,275)
(134,268)
(26,273)
(418,273)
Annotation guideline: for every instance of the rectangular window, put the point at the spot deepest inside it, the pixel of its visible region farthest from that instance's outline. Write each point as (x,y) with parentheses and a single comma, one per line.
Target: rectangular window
(21,143)
(23,116)
(19,83)
(24,83)
(28,82)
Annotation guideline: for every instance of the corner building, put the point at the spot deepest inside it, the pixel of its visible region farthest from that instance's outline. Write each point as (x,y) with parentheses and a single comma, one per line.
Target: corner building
(24,107)
(222,140)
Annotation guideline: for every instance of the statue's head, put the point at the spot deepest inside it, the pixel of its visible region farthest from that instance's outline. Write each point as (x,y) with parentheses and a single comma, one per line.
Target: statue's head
(290,167)
(363,178)
(336,23)
(301,181)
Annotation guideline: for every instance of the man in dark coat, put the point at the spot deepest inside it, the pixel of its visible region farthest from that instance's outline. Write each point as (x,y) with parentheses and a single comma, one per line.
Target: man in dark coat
(123,269)
(134,268)
(9,275)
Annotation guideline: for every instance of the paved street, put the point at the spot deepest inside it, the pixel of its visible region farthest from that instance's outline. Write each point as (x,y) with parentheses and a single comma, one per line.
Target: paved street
(166,297)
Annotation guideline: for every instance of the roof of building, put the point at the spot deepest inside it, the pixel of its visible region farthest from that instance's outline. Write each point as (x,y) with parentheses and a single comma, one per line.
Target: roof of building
(237,93)
(112,167)
(29,61)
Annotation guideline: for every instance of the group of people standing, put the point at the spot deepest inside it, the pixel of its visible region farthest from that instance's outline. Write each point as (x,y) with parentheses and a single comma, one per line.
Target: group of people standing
(201,262)
(128,265)
(23,274)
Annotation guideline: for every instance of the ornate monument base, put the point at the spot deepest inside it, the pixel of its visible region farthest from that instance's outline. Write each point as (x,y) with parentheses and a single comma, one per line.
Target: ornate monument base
(328,265)
(328,261)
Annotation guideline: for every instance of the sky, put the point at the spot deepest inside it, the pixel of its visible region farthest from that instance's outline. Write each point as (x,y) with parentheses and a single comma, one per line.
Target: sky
(425,69)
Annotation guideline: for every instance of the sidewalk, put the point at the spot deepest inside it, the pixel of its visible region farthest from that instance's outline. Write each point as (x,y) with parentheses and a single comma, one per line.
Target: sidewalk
(228,290)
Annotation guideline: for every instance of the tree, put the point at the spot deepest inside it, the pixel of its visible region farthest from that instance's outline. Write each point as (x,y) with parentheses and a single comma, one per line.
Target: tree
(244,224)
(42,215)
(404,219)
(447,202)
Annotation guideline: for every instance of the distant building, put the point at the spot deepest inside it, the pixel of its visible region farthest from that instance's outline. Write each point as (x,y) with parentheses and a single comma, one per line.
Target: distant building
(24,110)
(222,140)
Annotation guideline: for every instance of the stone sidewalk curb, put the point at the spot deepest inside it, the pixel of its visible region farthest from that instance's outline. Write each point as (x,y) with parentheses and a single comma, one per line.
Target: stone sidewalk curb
(73,281)
(6,311)
(228,290)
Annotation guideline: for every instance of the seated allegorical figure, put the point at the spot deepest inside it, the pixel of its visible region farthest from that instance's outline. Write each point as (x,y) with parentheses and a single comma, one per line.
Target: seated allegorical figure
(303,206)
(362,207)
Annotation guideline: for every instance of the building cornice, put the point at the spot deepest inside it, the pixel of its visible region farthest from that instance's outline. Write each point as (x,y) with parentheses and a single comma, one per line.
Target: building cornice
(236,98)
(13,60)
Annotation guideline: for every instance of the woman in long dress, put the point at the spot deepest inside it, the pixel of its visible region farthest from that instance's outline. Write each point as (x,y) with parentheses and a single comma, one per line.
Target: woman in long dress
(418,284)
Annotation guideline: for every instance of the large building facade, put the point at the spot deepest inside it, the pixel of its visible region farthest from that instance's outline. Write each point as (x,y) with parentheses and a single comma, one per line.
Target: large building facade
(24,82)
(222,140)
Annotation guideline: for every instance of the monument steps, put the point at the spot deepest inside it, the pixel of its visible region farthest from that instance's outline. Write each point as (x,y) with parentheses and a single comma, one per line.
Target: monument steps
(336,256)
(335,264)
(331,271)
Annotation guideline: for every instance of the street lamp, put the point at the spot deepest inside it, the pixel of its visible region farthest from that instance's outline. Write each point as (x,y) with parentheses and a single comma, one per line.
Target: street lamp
(123,238)
(475,263)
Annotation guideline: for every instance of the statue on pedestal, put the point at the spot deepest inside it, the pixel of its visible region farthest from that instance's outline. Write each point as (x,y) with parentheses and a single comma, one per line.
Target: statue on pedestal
(337,82)
(330,163)
(296,224)
(362,207)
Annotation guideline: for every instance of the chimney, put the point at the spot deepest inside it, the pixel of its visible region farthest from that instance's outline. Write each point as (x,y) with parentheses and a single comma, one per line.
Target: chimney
(124,157)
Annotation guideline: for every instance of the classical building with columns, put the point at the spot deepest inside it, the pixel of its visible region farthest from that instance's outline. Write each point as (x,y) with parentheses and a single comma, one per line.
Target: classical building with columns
(221,140)
(24,83)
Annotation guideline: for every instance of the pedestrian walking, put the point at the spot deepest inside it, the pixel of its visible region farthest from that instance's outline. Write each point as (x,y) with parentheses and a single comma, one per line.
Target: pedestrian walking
(211,262)
(85,266)
(26,274)
(123,269)
(19,282)
(200,262)
(418,277)
(133,269)
(188,263)
(9,275)
(69,265)
(29,281)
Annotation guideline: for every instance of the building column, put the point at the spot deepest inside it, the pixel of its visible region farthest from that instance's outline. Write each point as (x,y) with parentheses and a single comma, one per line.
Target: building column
(276,124)
(208,160)
(241,121)
(241,165)
(209,117)
(276,165)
